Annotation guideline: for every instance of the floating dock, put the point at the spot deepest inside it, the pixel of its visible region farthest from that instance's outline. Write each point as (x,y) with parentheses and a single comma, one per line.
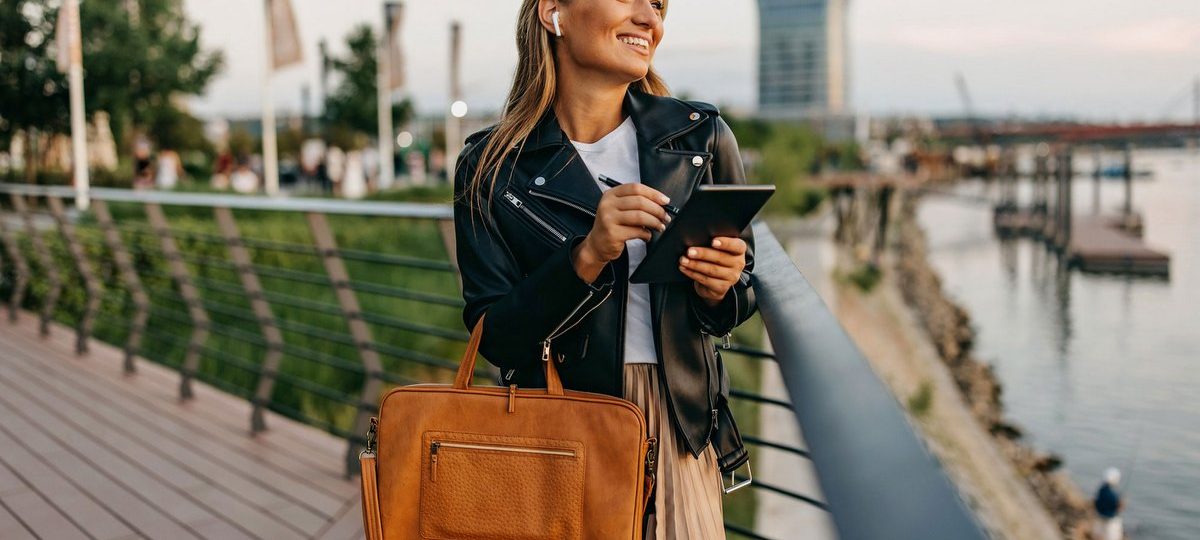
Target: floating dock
(1098,244)
(1095,243)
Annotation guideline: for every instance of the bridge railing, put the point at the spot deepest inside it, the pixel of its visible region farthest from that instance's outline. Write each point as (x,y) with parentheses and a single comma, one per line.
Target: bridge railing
(312,307)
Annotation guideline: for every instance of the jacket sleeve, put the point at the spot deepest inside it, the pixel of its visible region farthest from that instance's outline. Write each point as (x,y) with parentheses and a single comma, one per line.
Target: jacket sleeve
(525,307)
(739,303)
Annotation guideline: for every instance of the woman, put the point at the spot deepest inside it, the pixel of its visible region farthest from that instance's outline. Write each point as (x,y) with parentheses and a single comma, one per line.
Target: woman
(545,248)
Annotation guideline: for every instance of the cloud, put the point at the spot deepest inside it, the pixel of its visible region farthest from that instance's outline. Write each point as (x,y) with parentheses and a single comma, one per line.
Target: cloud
(966,38)
(1161,36)
(1157,36)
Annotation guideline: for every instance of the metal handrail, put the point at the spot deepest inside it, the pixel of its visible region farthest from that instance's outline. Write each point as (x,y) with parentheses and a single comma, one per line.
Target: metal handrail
(872,492)
(879,479)
(434,211)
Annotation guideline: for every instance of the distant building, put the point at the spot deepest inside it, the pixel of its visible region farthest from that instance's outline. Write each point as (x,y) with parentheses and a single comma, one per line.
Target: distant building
(802,59)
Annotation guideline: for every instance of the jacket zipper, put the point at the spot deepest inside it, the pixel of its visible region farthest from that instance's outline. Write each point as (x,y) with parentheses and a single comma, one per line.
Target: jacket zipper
(435,446)
(536,218)
(725,338)
(563,201)
(555,333)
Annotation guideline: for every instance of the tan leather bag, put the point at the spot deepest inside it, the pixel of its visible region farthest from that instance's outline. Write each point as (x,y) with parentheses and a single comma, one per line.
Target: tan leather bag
(467,462)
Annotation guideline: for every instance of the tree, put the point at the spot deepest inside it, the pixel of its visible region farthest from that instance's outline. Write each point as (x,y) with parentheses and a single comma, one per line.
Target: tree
(33,94)
(353,106)
(136,63)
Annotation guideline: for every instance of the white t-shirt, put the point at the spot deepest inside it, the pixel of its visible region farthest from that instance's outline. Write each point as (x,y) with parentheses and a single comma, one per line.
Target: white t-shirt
(615,155)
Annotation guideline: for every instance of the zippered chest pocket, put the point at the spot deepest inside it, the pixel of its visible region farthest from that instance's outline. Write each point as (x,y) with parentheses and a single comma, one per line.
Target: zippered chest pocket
(477,486)
(539,224)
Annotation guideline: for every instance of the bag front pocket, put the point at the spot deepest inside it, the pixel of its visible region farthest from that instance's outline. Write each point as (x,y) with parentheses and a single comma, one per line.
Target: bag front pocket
(497,487)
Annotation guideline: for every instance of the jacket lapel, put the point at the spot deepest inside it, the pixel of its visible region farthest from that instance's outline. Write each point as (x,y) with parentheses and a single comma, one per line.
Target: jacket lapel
(656,119)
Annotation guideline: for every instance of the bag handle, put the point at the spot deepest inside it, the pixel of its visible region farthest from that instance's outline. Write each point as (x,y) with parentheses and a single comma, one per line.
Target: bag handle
(466,367)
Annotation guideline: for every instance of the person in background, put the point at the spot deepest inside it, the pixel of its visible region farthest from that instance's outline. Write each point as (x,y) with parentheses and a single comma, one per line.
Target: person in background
(370,166)
(243,179)
(143,175)
(222,169)
(170,167)
(1108,506)
(335,168)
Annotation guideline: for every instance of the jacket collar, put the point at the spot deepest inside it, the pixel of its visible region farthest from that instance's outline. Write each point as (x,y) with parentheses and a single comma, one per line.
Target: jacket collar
(657,119)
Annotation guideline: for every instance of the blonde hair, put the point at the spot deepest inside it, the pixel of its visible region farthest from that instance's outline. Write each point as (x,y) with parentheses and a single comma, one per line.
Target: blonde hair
(532,93)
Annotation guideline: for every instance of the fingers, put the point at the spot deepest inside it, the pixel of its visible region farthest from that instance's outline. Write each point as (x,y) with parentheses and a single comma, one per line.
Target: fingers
(626,190)
(713,285)
(734,262)
(644,204)
(638,218)
(730,244)
(721,273)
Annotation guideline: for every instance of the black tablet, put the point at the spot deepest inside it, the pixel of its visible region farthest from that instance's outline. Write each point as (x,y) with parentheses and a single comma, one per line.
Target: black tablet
(712,210)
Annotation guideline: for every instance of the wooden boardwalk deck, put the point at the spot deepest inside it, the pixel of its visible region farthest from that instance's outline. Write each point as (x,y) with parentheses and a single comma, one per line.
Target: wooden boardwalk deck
(87,452)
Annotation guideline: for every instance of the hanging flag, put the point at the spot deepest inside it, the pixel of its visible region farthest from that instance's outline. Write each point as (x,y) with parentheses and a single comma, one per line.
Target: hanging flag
(285,39)
(395,20)
(66,37)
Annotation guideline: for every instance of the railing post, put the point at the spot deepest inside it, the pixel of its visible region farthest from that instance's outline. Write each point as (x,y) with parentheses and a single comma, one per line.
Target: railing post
(191,297)
(262,312)
(1064,230)
(91,285)
(45,259)
(20,270)
(348,301)
(129,276)
(446,228)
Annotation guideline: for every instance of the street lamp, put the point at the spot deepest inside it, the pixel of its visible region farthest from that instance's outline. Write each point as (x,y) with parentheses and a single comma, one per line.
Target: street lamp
(458,109)
(404,139)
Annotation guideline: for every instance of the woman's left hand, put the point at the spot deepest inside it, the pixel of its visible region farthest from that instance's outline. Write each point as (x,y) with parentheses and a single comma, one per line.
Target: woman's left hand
(714,270)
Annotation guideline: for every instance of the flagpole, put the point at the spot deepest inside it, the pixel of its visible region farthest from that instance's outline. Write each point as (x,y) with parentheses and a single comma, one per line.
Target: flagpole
(79,156)
(270,150)
(383,83)
(453,122)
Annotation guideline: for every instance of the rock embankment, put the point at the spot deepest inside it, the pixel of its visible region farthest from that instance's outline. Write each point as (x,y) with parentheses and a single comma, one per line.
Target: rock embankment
(948,327)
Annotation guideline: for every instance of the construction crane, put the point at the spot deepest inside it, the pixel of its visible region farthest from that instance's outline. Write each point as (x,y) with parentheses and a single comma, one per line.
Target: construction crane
(979,134)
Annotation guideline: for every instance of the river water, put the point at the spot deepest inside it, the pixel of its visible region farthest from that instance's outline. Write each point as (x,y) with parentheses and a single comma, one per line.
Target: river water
(1102,369)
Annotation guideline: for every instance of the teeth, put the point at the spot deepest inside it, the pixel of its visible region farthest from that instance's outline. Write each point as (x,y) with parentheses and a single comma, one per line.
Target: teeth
(640,42)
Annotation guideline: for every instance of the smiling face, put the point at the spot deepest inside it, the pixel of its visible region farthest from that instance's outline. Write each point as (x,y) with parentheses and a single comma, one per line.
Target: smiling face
(612,37)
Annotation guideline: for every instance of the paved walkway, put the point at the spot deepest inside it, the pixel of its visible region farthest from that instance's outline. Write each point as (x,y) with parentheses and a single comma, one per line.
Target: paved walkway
(86,452)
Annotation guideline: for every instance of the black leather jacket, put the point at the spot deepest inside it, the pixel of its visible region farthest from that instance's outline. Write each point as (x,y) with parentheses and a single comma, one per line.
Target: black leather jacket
(516,265)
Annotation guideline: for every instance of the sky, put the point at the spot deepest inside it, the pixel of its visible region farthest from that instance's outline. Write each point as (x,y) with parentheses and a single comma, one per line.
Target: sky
(1105,60)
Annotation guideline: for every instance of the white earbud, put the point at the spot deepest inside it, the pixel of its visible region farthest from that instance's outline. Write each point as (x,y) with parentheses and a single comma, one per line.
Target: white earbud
(557,28)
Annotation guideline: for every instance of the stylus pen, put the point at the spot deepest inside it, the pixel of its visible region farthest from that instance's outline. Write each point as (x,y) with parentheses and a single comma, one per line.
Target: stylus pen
(613,183)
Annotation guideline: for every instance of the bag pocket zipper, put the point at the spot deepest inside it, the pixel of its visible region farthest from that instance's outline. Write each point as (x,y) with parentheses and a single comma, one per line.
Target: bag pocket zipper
(435,446)
(545,225)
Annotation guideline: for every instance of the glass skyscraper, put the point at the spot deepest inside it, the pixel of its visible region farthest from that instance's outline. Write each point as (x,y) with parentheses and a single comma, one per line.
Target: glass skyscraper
(802,58)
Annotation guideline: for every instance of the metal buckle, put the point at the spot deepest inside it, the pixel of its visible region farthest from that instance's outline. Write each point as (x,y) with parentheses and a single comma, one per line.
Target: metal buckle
(371,438)
(739,485)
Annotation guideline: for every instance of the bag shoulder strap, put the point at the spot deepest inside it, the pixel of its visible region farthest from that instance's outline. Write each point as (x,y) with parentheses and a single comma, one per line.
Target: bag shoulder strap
(372,523)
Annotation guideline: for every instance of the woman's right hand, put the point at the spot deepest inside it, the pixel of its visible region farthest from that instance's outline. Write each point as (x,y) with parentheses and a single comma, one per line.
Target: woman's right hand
(625,212)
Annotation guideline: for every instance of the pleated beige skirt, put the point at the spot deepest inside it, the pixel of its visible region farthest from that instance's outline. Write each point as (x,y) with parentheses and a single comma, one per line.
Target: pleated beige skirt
(687,500)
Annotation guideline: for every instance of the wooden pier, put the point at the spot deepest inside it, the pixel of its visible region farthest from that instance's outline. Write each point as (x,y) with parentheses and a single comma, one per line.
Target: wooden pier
(1091,243)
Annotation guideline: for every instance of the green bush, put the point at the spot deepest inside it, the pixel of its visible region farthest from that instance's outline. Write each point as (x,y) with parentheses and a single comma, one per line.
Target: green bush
(864,276)
(921,401)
